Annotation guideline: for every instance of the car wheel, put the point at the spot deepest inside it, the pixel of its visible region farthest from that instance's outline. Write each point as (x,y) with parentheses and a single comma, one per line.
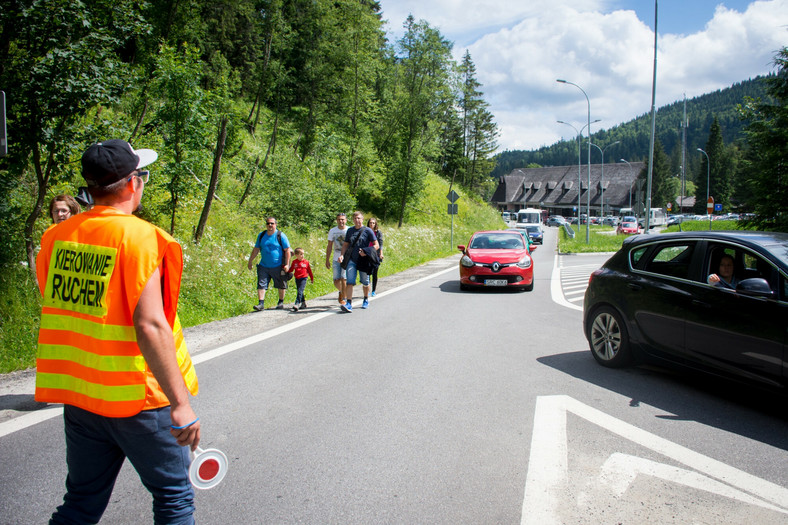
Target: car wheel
(607,336)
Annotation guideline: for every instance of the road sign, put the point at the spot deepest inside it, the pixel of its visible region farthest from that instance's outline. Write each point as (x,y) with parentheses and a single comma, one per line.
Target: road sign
(670,206)
(453,208)
(718,207)
(710,204)
(452,196)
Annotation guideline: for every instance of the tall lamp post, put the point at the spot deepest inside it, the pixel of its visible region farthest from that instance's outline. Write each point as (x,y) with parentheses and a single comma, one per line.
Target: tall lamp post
(588,205)
(602,178)
(708,179)
(579,163)
(630,176)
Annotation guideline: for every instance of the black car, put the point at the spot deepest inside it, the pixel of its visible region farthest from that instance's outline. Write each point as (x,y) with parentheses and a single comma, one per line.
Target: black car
(535,233)
(652,300)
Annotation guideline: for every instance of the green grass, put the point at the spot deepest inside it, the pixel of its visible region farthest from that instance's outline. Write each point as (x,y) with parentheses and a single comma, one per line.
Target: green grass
(20,310)
(216,283)
(601,240)
(704,226)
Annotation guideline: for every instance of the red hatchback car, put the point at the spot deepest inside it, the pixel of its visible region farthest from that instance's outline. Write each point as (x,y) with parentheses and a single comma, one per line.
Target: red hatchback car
(497,259)
(628,226)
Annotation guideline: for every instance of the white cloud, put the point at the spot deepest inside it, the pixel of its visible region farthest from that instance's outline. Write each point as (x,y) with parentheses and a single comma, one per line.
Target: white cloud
(609,55)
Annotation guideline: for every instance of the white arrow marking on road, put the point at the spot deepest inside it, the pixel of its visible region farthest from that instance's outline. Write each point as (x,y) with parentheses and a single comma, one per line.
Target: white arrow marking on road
(547,479)
(620,471)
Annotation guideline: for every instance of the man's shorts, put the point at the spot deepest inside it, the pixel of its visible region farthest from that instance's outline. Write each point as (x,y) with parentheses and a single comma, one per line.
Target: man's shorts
(351,275)
(265,275)
(339,272)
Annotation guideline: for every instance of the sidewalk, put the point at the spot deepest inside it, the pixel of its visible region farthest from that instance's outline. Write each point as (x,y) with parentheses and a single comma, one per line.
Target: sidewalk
(16,388)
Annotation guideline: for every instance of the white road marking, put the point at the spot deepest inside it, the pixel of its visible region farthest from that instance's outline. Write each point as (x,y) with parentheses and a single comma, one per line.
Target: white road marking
(568,284)
(555,288)
(621,470)
(547,479)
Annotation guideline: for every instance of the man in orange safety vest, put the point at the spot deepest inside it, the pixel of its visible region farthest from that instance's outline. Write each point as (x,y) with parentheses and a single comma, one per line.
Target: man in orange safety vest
(111,347)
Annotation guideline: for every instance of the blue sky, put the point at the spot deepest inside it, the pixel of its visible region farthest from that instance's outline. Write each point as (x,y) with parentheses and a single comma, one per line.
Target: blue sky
(679,16)
(520,47)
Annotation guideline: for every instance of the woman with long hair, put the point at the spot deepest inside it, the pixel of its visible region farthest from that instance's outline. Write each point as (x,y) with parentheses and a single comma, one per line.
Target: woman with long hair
(372,223)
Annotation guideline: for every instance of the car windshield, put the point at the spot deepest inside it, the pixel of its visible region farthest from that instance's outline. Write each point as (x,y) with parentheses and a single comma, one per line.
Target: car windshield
(532,229)
(628,219)
(627,224)
(497,241)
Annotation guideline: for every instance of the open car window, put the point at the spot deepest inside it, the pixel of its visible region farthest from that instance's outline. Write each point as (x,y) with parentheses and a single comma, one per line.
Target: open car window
(671,259)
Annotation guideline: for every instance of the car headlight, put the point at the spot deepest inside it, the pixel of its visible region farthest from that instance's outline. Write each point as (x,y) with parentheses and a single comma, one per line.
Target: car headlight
(525,262)
(466,261)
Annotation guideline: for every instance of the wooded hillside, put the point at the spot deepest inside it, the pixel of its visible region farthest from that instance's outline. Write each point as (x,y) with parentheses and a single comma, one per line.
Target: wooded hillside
(635,134)
(293,108)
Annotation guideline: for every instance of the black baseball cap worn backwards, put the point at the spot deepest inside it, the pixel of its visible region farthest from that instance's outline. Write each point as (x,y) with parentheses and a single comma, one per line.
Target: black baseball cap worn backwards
(109,161)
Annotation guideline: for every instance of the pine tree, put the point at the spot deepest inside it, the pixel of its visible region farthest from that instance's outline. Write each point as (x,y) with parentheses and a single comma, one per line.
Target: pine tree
(766,157)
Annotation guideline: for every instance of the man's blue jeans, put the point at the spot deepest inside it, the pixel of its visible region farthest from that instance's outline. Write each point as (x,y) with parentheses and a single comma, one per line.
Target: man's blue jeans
(95,449)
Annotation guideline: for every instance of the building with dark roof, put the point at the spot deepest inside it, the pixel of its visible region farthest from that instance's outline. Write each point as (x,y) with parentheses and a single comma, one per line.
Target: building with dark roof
(555,189)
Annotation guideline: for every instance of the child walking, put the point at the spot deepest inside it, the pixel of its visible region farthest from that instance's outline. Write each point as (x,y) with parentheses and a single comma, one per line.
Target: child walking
(301,269)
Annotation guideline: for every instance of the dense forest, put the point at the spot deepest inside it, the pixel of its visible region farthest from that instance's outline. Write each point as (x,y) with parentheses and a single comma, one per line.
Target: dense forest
(293,108)
(635,134)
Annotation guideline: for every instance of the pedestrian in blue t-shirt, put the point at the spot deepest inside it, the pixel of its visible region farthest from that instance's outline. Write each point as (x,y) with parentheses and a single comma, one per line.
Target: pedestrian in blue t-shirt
(274,250)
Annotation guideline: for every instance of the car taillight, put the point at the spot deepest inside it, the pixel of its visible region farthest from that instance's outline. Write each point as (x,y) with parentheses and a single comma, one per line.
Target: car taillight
(594,274)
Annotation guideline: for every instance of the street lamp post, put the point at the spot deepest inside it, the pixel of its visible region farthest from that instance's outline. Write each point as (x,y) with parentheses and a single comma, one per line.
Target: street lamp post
(588,204)
(602,179)
(708,180)
(630,187)
(579,163)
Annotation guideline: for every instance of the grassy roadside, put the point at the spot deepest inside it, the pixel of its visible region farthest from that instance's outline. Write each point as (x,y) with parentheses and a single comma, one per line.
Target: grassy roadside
(603,238)
(216,283)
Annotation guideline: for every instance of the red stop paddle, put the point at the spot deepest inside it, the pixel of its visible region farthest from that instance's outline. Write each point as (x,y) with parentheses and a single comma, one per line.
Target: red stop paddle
(208,468)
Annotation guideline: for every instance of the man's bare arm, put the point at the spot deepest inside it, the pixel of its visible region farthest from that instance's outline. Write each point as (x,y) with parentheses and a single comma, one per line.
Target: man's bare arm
(157,344)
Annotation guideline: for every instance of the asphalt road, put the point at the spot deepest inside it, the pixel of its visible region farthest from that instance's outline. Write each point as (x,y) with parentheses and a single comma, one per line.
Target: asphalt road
(440,406)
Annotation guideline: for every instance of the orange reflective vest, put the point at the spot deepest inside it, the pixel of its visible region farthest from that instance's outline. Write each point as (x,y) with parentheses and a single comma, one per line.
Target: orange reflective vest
(91,271)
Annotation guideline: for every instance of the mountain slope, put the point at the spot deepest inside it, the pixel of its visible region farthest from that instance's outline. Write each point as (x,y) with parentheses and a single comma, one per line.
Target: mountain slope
(635,134)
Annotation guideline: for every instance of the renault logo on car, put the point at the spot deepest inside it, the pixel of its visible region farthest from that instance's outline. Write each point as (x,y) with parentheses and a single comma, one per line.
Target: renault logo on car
(496,266)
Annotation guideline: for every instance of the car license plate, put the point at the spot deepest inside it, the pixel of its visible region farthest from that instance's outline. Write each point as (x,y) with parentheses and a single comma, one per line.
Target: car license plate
(495,282)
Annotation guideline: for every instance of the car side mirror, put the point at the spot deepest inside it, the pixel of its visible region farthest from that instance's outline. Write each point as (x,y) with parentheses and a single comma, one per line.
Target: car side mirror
(532,247)
(461,247)
(755,287)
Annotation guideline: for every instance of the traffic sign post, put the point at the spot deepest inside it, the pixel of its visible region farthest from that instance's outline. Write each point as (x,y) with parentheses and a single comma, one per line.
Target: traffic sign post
(710,208)
(452,210)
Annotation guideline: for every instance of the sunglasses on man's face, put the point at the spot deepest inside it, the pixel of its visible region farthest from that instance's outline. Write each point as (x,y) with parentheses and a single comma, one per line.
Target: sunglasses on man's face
(143,174)
(271,223)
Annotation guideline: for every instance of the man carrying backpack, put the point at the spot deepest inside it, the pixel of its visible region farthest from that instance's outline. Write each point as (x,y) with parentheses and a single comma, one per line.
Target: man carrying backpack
(274,250)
